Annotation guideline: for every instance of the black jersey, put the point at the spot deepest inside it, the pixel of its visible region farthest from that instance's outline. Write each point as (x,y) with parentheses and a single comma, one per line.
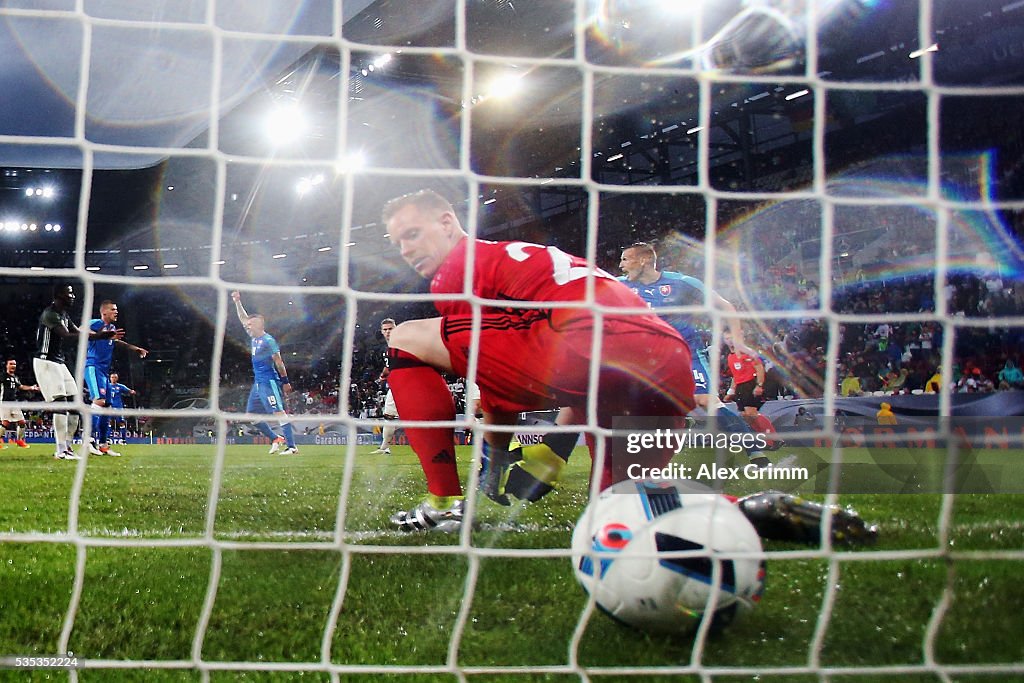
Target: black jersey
(49,344)
(9,388)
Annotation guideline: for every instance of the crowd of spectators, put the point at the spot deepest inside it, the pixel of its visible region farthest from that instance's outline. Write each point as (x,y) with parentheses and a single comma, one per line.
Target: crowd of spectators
(891,357)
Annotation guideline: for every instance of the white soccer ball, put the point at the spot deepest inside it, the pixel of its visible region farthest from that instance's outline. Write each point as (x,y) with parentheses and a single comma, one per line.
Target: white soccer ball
(620,538)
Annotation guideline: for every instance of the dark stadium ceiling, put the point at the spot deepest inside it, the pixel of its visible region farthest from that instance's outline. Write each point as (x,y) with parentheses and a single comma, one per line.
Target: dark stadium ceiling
(408,114)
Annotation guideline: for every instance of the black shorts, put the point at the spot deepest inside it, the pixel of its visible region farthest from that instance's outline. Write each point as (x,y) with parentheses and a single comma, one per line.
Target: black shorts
(745,396)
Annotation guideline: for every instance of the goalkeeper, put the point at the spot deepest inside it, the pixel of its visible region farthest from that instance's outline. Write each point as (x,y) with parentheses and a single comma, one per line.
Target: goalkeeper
(528,358)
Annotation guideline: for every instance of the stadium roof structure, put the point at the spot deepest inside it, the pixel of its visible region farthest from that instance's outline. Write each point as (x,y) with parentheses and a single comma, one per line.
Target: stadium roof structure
(146,87)
(408,115)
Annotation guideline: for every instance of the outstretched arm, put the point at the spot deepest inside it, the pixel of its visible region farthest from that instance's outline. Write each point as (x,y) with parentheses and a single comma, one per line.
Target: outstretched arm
(132,347)
(72,330)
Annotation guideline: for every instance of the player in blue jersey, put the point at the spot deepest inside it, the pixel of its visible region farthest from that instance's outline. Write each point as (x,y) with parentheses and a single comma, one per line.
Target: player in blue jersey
(99,355)
(117,391)
(270,380)
(659,289)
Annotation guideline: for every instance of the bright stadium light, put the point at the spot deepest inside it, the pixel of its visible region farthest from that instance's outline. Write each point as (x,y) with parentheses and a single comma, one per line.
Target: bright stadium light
(56,227)
(934,47)
(382,60)
(351,162)
(92,269)
(505,86)
(170,266)
(285,124)
(140,267)
(306,184)
(279,256)
(321,249)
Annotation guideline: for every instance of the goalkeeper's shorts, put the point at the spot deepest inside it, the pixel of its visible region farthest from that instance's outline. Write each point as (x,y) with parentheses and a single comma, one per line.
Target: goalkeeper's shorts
(644,370)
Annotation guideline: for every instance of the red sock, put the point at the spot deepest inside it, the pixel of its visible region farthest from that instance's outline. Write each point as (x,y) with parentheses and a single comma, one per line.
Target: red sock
(422,394)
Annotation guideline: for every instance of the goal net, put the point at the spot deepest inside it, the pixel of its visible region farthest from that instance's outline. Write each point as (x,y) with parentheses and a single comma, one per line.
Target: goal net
(847,174)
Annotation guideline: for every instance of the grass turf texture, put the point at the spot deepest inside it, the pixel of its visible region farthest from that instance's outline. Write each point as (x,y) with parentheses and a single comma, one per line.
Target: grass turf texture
(404,593)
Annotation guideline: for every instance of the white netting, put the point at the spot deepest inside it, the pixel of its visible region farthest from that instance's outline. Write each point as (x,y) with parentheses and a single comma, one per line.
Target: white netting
(186,82)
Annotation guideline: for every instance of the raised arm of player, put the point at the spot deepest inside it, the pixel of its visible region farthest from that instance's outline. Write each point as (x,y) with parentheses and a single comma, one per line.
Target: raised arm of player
(735,326)
(243,317)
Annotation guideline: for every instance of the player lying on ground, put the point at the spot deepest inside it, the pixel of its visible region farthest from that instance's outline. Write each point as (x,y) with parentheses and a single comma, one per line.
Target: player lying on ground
(531,357)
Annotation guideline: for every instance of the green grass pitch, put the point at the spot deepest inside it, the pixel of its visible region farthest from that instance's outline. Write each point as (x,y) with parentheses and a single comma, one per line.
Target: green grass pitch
(143,600)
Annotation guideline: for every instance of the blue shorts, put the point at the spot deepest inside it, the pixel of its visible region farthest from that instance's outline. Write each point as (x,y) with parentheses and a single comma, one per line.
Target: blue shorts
(701,376)
(265,397)
(96,383)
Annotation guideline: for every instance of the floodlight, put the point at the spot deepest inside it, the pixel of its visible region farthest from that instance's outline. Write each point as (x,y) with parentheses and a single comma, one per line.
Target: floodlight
(506,85)
(285,124)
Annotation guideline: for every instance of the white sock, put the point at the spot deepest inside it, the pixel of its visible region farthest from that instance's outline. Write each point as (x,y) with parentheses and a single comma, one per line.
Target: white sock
(387,436)
(60,429)
(72,428)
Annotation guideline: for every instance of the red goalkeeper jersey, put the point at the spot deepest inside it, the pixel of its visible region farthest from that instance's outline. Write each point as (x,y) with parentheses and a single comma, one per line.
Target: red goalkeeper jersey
(522,272)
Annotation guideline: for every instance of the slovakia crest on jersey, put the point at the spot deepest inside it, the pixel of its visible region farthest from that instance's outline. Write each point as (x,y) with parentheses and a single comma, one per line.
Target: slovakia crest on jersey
(665,290)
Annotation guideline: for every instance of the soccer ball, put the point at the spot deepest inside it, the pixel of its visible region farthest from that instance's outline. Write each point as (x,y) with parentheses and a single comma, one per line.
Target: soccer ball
(618,540)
